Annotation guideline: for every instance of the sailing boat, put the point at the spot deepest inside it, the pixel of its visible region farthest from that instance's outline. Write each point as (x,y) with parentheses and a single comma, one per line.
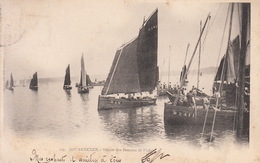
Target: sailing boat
(67,81)
(82,87)
(134,73)
(34,82)
(219,112)
(11,84)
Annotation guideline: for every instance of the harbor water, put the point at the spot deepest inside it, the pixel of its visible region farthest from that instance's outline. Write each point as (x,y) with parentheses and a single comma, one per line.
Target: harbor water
(65,116)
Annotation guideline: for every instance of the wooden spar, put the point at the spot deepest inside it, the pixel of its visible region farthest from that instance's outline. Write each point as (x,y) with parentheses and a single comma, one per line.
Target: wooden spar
(241,81)
(186,54)
(182,71)
(186,73)
(225,57)
(198,78)
(222,73)
(194,52)
(169,66)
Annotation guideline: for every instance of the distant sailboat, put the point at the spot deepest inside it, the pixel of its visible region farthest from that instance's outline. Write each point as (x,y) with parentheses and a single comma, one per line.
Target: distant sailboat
(34,82)
(82,87)
(11,85)
(134,72)
(67,82)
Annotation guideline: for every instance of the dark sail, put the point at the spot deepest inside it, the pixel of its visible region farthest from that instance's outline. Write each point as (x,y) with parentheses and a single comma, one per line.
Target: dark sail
(80,82)
(232,60)
(67,76)
(34,80)
(147,53)
(219,72)
(123,76)
(88,81)
(230,71)
(134,68)
(11,81)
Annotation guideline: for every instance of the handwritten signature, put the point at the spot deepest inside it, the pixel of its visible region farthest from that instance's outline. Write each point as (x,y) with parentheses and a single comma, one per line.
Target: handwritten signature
(153,155)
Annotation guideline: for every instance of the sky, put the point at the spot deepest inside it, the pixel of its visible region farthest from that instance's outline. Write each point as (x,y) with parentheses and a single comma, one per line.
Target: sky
(45,36)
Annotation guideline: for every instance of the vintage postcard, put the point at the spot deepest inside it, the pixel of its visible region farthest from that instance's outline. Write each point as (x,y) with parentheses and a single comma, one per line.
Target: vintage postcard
(128,81)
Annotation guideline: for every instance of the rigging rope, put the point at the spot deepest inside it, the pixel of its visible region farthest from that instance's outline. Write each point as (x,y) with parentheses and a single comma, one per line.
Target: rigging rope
(222,79)
(222,41)
(205,120)
(212,22)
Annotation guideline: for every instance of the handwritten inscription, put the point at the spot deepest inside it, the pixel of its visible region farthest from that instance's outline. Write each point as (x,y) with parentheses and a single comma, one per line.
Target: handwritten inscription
(64,158)
(153,155)
(39,159)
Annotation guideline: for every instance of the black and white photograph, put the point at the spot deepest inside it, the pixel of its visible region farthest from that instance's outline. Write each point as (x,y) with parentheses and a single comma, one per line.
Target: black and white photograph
(128,81)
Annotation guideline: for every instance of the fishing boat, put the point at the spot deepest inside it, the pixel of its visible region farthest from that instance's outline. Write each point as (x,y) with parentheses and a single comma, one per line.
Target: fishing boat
(34,82)
(82,86)
(67,82)
(222,109)
(11,84)
(133,76)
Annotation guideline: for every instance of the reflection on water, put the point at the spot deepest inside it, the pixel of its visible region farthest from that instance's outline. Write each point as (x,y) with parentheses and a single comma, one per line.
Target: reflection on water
(58,114)
(132,124)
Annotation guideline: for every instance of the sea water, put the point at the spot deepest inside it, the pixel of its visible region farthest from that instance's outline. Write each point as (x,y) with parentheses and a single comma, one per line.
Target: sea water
(55,115)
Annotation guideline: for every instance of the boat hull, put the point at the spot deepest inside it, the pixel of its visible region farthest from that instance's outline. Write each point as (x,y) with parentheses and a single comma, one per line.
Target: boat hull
(11,88)
(111,103)
(178,115)
(35,88)
(67,87)
(83,90)
(163,91)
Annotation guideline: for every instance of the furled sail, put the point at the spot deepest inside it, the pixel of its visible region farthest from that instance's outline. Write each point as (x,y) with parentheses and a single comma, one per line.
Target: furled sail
(134,68)
(67,76)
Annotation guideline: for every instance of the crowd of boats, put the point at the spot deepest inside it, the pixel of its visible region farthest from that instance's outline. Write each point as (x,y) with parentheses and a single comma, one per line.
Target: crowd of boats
(133,80)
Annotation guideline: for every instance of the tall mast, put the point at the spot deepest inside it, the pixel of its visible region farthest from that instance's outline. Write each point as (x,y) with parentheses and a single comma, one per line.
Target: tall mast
(186,73)
(198,78)
(169,66)
(242,59)
(222,73)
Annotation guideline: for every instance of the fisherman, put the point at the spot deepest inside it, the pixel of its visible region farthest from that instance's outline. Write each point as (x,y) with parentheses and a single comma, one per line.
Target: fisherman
(164,85)
(134,96)
(117,96)
(205,103)
(189,98)
(170,85)
(141,96)
(194,91)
